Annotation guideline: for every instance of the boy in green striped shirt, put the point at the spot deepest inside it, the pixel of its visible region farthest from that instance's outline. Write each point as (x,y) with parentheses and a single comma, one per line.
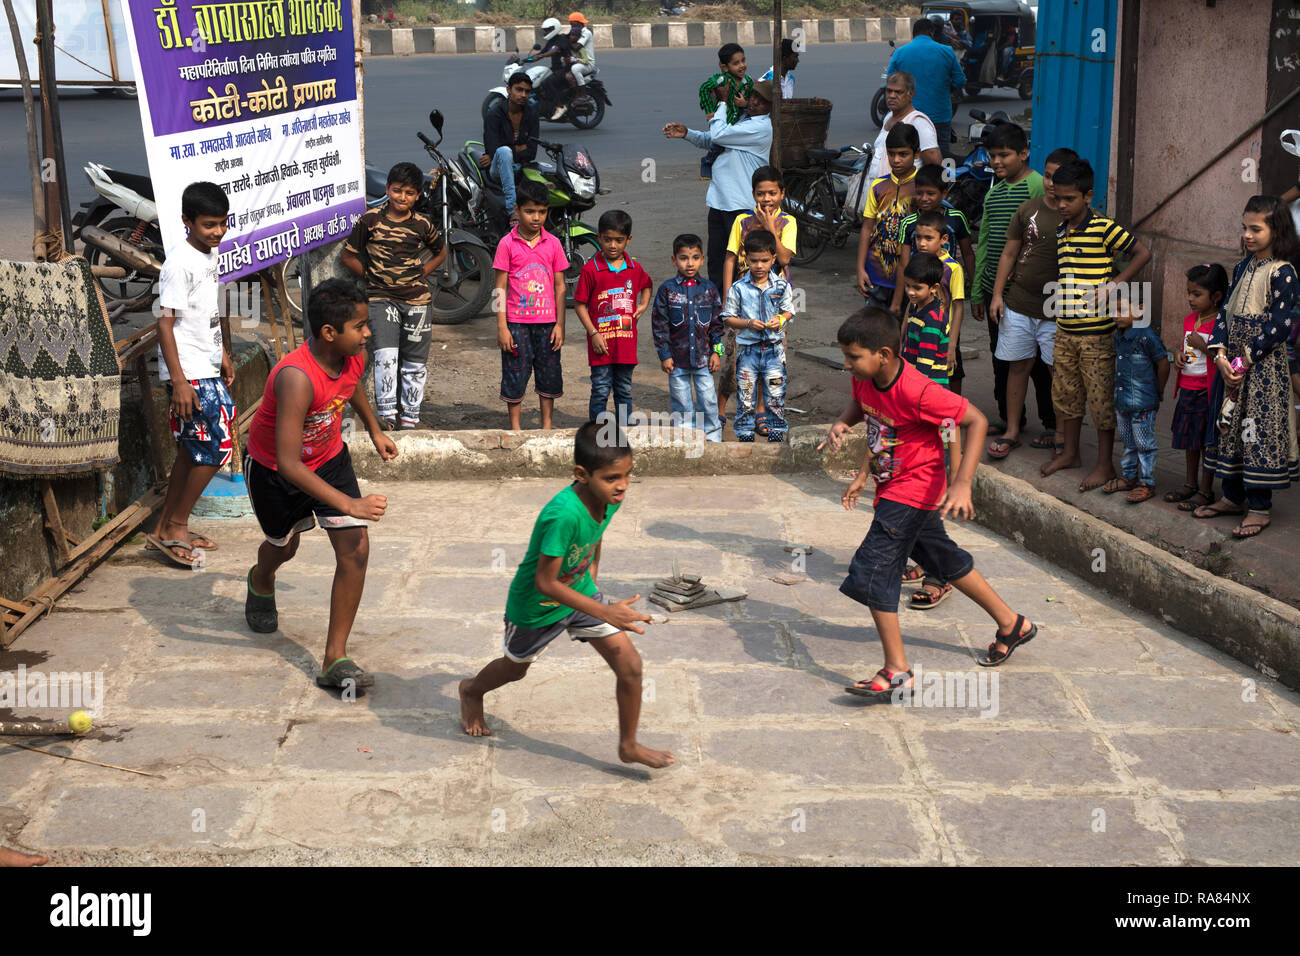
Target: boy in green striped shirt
(1017,183)
(1087,247)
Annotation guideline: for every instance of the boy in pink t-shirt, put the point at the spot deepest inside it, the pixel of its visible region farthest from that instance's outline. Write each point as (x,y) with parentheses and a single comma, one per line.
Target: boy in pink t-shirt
(530,266)
(907,416)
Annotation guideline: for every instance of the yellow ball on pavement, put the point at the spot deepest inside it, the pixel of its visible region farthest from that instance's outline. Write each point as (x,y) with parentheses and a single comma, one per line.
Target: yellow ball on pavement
(79,722)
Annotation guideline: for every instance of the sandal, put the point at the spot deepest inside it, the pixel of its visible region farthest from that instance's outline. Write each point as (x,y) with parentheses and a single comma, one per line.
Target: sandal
(930,595)
(914,574)
(341,671)
(1183,493)
(170,547)
(1243,530)
(1002,447)
(893,679)
(1191,504)
(1213,512)
(259,610)
(1117,484)
(994,657)
(1140,493)
(1045,440)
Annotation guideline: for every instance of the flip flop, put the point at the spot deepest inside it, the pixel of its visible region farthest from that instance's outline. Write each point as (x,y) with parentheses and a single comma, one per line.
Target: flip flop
(994,657)
(893,678)
(1234,511)
(156,543)
(1043,441)
(1183,493)
(195,538)
(1191,505)
(1007,447)
(341,671)
(1243,530)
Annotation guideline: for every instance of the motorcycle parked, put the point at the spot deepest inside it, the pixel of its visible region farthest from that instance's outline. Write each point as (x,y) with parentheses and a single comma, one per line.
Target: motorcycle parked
(572,183)
(818,200)
(120,228)
(585,104)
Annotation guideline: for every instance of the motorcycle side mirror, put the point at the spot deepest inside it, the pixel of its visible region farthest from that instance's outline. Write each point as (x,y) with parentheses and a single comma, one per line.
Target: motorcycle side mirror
(435,120)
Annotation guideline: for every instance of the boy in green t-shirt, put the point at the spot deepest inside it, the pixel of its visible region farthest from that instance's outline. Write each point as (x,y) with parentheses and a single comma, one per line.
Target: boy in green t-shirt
(555,590)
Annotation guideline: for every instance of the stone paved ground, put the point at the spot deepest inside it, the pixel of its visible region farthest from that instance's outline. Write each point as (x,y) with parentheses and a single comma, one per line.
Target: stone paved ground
(1116,740)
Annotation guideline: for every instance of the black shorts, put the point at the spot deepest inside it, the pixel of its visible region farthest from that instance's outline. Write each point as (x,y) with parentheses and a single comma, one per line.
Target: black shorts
(283,509)
(876,572)
(533,356)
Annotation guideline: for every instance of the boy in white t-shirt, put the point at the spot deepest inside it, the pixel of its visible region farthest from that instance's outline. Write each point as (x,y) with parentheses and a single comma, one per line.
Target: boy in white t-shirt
(195,365)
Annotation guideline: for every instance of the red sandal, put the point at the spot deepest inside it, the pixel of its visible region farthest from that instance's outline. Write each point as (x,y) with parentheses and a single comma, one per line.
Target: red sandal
(893,679)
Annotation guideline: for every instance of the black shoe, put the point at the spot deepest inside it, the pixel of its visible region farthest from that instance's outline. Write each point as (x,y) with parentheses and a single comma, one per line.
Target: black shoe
(259,610)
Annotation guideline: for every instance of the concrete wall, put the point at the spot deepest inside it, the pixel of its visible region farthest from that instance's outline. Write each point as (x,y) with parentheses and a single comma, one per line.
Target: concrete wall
(1201,82)
(27,550)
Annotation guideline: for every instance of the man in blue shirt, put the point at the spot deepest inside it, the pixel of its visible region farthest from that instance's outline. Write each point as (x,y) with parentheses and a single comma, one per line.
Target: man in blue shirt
(937,72)
(747,145)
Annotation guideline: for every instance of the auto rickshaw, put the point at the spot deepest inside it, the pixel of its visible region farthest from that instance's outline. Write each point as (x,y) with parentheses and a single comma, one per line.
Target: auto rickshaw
(993,39)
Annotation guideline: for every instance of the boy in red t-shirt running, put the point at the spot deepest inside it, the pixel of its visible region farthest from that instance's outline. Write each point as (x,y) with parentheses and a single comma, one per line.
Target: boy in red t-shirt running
(299,472)
(613,293)
(906,415)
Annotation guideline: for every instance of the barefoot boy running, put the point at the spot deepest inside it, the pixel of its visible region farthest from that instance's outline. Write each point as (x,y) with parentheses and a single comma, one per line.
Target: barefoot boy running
(299,471)
(555,590)
(905,413)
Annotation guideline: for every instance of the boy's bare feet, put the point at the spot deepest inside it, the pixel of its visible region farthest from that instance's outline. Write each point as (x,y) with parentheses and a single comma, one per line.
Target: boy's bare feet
(1058,463)
(639,754)
(471,713)
(1097,477)
(10,857)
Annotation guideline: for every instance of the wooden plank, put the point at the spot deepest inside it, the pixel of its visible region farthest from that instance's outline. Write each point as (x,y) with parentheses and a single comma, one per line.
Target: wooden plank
(15,605)
(139,344)
(105,530)
(45,596)
(54,521)
(272,317)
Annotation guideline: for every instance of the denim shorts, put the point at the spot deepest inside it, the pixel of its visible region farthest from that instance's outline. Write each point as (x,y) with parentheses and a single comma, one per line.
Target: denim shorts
(897,532)
(533,356)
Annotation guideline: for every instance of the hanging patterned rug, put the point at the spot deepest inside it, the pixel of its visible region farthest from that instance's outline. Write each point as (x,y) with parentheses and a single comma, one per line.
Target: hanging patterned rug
(60,384)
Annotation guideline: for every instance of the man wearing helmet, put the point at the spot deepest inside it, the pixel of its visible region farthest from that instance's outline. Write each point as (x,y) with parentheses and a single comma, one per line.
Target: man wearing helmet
(559,46)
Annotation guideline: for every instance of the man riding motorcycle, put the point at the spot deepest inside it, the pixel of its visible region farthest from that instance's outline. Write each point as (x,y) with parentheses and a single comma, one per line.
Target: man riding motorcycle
(559,47)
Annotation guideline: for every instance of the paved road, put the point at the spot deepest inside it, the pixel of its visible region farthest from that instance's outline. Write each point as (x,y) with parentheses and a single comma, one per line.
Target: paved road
(649,88)
(1112,739)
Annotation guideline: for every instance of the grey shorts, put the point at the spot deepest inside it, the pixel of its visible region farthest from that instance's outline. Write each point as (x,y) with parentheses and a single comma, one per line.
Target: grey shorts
(523,644)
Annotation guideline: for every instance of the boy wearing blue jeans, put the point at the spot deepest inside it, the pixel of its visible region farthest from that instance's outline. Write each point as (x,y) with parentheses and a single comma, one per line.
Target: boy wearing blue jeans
(1141,372)
(759,305)
(687,323)
(906,415)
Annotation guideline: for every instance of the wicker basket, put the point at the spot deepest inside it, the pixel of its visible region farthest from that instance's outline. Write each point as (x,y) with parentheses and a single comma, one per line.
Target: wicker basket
(804,123)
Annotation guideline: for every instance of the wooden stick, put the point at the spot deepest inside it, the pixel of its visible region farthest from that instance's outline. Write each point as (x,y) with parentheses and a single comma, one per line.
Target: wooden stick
(110,766)
(54,521)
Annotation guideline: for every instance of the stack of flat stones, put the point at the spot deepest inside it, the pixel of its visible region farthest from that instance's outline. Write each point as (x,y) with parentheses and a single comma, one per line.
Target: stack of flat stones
(682,592)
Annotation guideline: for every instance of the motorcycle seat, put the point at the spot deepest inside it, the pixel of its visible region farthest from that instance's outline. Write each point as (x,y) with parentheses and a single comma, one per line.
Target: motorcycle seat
(140,184)
(844,165)
(823,155)
(376,182)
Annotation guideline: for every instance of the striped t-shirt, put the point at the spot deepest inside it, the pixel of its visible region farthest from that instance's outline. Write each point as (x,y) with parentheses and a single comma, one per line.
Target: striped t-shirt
(925,340)
(1000,205)
(1086,258)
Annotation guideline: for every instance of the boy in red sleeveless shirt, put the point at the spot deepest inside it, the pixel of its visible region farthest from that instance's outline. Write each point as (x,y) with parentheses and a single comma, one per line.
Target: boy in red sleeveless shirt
(299,472)
(905,413)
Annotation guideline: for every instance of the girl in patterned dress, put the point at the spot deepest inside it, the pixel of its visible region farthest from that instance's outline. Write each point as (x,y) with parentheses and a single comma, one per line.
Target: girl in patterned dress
(1254,451)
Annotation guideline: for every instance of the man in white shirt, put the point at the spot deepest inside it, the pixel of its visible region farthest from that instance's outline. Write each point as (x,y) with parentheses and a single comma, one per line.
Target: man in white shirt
(747,145)
(789,60)
(899,89)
